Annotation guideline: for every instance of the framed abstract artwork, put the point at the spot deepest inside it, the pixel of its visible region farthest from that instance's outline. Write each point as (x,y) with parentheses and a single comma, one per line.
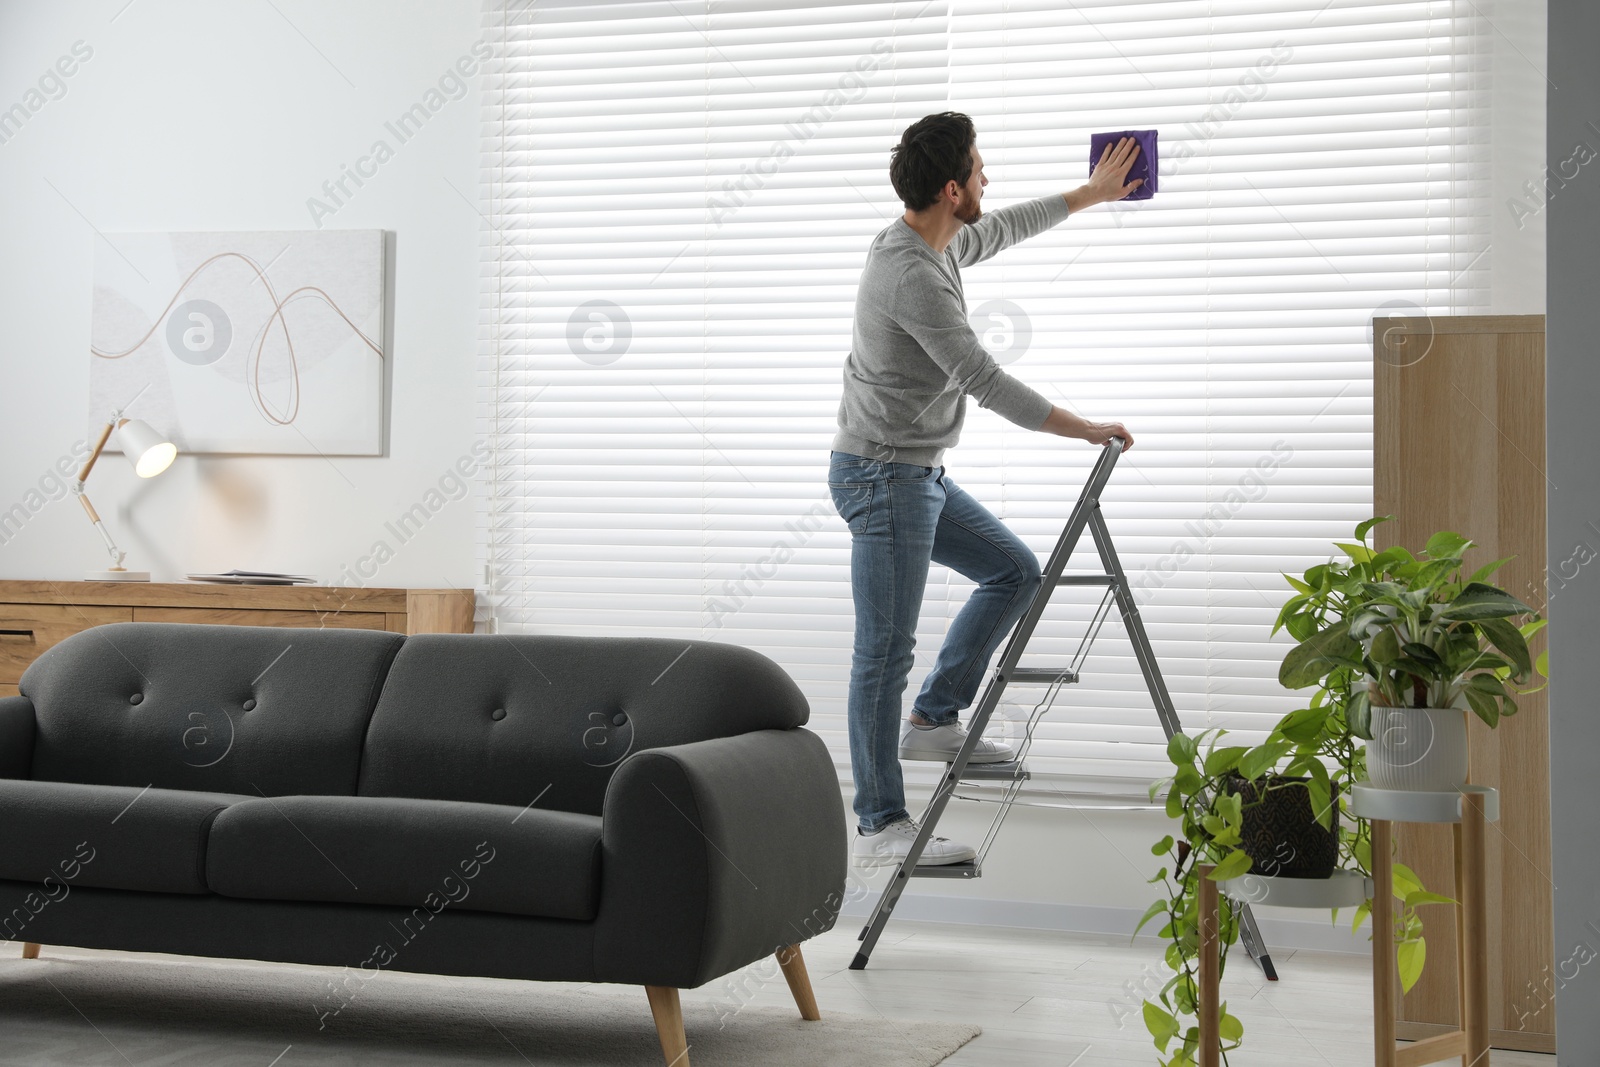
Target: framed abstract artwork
(268,342)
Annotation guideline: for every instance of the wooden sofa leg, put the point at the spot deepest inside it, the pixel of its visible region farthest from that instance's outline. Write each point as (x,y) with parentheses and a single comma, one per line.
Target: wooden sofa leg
(668,1012)
(30,951)
(794,969)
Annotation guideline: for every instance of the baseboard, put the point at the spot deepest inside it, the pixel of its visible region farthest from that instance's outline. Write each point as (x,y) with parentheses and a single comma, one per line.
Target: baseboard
(1279,934)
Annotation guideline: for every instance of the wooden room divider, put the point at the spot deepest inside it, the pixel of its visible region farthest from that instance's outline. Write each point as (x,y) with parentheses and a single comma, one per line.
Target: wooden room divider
(1458,444)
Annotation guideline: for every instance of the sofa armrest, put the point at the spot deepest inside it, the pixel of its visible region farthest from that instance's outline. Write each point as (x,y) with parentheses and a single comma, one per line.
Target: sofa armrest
(17,727)
(717,853)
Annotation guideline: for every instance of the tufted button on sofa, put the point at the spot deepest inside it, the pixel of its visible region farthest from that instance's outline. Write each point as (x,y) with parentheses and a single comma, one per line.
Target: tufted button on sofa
(582,809)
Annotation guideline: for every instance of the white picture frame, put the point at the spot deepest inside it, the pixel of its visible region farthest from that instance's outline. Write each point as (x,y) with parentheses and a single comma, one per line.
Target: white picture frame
(245,342)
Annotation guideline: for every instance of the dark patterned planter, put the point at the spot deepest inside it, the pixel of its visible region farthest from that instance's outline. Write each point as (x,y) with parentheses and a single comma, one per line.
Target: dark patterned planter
(1281,835)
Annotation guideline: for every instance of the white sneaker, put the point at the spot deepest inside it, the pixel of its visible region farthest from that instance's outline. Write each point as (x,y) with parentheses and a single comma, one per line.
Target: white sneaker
(943,742)
(889,846)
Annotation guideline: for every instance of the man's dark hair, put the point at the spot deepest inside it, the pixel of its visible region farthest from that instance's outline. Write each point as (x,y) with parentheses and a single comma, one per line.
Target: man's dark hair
(932,151)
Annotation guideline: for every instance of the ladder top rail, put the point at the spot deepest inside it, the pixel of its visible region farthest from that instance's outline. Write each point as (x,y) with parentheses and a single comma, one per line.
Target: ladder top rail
(1100,473)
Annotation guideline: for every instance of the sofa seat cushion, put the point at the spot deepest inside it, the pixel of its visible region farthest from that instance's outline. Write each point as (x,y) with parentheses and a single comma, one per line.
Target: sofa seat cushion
(108,836)
(413,853)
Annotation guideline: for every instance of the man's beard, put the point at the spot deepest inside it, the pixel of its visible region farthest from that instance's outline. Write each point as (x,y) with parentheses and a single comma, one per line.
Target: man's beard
(970,212)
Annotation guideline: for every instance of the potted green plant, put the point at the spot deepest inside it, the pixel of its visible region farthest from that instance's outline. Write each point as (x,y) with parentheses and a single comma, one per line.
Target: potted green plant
(1321,749)
(1338,722)
(1410,648)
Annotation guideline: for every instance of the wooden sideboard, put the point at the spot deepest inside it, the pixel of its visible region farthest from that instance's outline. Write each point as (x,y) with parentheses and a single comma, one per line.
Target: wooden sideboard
(1458,444)
(36,614)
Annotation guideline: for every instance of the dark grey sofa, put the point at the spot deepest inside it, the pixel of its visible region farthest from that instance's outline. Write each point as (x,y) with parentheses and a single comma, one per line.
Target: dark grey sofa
(582,809)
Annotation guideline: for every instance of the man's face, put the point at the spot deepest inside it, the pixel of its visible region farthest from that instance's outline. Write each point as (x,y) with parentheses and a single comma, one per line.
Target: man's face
(969,209)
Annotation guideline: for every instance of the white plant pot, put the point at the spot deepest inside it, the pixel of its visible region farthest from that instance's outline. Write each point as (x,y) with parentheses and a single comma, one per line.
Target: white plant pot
(1422,749)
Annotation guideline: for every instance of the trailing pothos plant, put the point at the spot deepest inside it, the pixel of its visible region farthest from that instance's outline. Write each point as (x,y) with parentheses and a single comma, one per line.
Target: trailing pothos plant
(1203,796)
(1211,824)
(1338,613)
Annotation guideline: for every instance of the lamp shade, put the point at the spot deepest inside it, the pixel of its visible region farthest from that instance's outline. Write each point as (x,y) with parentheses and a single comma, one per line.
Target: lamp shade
(148,451)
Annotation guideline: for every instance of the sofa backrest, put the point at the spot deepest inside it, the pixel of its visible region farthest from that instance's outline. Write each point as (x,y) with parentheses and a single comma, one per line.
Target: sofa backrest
(510,719)
(228,709)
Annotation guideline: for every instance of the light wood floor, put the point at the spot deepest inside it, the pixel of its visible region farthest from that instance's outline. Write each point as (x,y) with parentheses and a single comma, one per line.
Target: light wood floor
(1056,999)
(1072,1000)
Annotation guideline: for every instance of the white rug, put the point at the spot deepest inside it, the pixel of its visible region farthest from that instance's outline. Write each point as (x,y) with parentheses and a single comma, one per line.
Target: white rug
(117,1011)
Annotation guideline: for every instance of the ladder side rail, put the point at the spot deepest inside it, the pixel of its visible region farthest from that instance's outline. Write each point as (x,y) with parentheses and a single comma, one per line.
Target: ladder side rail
(1249,932)
(1088,500)
(1088,503)
(941,797)
(1254,943)
(1134,625)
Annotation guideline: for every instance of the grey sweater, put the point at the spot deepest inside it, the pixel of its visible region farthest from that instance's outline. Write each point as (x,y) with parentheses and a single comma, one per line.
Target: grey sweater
(914,357)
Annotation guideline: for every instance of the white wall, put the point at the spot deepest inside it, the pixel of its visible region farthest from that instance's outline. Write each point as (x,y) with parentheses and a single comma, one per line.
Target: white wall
(229,116)
(1517,155)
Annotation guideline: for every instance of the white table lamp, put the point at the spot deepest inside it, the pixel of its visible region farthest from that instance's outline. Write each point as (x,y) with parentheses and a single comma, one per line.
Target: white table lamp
(149,453)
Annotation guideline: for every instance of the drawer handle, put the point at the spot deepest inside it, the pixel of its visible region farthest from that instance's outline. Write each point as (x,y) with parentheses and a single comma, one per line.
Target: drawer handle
(17,633)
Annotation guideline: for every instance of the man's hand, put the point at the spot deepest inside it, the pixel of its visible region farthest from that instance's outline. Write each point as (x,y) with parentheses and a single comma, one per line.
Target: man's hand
(1064,423)
(1106,183)
(1100,433)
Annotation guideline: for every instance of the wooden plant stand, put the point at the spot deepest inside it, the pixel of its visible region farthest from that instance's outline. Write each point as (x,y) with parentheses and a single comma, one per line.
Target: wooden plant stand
(1469,810)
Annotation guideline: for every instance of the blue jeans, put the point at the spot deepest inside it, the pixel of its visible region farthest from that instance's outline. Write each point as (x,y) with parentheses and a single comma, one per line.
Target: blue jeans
(901,517)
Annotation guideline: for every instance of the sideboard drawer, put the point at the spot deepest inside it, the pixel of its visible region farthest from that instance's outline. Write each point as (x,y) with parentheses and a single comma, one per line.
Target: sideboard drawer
(28,629)
(351,620)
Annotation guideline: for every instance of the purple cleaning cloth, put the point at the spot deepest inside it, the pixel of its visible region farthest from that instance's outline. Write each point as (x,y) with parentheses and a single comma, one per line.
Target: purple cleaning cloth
(1144,164)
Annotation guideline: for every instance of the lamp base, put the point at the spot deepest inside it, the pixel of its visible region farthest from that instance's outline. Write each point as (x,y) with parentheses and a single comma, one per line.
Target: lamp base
(117,576)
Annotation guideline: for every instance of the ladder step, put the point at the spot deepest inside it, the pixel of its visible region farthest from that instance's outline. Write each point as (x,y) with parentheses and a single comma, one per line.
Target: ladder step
(1009,771)
(968,869)
(1084,579)
(1041,675)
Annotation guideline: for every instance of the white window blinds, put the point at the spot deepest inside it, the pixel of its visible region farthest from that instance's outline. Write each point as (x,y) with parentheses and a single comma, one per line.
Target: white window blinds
(679,199)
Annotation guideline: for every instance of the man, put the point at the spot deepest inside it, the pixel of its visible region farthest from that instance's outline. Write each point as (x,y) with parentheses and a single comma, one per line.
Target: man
(914,359)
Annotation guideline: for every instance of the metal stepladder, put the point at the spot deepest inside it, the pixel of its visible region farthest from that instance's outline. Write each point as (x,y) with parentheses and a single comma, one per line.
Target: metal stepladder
(1010,775)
